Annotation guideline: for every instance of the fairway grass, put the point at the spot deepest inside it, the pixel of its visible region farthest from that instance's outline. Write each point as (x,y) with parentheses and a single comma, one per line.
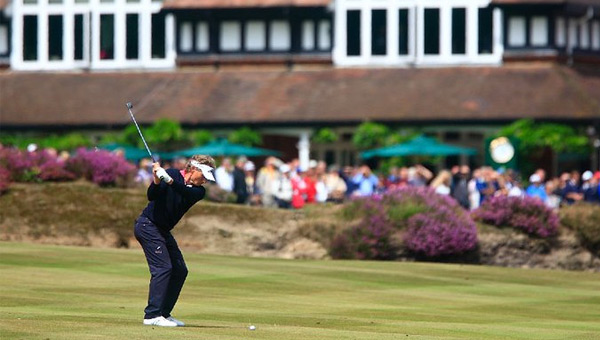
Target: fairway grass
(54,292)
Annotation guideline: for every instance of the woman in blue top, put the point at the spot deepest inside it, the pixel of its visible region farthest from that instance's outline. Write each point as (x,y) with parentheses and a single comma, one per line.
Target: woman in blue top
(171,194)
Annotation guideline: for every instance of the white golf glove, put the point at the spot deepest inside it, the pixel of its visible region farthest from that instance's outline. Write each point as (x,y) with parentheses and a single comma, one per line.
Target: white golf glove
(163,175)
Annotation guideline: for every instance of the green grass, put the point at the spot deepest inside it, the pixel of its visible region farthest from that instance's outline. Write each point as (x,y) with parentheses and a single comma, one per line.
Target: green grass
(54,292)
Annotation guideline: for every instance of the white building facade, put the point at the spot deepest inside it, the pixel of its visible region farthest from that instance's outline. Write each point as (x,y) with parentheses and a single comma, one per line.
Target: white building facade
(52,35)
(417,33)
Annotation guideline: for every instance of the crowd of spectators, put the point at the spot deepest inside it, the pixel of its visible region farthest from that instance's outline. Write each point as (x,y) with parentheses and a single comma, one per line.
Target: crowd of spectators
(286,185)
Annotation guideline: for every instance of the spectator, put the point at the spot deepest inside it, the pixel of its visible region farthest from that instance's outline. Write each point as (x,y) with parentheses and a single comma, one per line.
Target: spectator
(474,196)
(282,188)
(267,175)
(536,188)
(441,183)
(418,176)
(144,174)
(590,187)
(321,189)
(224,175)
(240,187)
(460,186)
(335,185)
(571,191)
(298,190)
(553,193)
(366,181)
(249,172)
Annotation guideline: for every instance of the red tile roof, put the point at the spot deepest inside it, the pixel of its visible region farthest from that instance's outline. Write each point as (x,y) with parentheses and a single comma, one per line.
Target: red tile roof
(243,3)
(324,96)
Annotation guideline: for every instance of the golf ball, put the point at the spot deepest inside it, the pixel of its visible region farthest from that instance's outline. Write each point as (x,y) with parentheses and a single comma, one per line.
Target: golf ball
(252,327)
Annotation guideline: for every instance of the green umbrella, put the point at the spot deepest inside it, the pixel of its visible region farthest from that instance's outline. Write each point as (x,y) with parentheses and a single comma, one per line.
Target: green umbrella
(223,147)
(131,152)
(421,145)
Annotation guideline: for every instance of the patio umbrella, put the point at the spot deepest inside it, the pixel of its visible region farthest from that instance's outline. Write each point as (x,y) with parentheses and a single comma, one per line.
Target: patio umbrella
(131,153)
(223,147)
(421,145)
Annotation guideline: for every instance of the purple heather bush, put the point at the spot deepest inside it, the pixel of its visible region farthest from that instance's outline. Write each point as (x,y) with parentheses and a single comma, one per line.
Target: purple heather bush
(54,170)
(432,225)
(101,167)
(440,232)
(18,163)
(4,179)
(528,214)
(371,238)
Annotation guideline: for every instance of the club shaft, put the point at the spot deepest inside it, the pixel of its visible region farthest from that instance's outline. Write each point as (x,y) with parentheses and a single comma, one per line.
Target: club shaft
(141,135)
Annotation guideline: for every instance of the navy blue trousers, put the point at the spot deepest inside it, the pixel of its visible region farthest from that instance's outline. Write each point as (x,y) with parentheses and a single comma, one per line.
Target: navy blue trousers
(167,267)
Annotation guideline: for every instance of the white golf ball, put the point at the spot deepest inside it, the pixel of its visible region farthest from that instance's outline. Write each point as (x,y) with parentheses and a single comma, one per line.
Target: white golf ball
(252,327)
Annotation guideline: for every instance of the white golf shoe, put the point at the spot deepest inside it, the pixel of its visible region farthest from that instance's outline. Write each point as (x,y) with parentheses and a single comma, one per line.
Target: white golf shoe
(159,321)
(178,322)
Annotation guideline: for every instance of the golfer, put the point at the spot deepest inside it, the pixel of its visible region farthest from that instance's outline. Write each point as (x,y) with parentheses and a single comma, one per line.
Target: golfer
(170,195)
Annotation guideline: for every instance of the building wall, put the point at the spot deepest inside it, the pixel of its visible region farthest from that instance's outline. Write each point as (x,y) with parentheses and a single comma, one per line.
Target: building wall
(90,34)
(417,32)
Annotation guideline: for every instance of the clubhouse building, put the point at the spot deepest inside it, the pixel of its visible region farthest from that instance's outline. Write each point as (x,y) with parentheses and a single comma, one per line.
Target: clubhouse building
(458,69)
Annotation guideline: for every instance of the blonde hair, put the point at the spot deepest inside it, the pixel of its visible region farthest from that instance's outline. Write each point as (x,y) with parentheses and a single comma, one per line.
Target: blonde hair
(443,177)
(202,159)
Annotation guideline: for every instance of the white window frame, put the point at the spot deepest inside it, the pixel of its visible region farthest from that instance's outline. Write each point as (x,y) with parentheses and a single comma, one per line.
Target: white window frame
(255,35)
(230,36)
(538,31)
(517,31)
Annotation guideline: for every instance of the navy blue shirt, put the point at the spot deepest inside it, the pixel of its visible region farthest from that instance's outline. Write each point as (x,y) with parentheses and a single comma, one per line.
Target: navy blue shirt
(169,202)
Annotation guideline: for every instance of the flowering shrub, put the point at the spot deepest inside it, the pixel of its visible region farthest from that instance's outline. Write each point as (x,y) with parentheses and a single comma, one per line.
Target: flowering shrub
(54,170)
(369,239)
(18,163)
(440,232)
(100,166)
(4,179)
(528,214)
(432,225)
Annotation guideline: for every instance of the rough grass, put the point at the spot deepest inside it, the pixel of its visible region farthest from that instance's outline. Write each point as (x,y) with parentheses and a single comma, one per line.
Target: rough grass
(58,292)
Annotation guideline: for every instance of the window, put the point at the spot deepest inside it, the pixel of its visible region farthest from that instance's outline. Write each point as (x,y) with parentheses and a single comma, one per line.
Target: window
(378,32)
(132,34)
(596,35)
(584,35)
(255,36)
(485,29)
(459,31)
(230,38)
(202,37)
(107,36)
(308,35)
(186,36)
(158,36)
(539,31)
(78,37)
(403,32)
(3,39)
(353,33)
(55,37)
(516,31)
(279,36)
(30,37)
(432,31)
(560,33)
(324,35)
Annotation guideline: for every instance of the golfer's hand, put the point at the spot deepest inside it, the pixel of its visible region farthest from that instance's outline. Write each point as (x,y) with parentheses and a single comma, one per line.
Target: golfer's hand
(163,175)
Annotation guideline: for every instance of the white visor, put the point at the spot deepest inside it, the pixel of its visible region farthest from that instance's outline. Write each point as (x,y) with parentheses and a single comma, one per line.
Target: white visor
(206,170)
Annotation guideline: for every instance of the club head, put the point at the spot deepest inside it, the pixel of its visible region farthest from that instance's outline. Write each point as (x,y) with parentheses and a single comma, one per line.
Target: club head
(129,105)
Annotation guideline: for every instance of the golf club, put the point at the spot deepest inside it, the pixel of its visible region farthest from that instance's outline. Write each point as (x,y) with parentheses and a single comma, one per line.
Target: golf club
(129,107)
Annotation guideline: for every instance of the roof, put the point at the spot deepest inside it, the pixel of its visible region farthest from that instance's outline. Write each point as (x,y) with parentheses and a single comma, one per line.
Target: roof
(331,96)
(179,4)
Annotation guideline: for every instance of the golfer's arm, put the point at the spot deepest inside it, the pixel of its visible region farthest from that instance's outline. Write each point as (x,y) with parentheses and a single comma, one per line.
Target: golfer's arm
(196,193)
(154,190)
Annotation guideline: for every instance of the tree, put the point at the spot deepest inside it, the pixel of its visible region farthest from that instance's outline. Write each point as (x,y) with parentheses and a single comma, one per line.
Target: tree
(245,136)
(370,135)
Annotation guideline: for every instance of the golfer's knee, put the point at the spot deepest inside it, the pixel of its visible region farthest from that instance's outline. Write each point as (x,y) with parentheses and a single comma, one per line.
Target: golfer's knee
(164,270)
